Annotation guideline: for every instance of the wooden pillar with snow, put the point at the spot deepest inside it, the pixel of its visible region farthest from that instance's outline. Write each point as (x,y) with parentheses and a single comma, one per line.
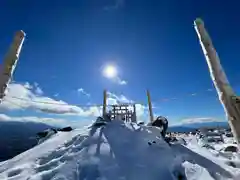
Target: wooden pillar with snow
(10,62)
(150,107)
(104,110)
(225,92)
(134,116)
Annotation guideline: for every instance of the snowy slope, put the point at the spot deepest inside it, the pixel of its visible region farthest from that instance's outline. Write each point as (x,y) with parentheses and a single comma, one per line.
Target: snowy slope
(116,151)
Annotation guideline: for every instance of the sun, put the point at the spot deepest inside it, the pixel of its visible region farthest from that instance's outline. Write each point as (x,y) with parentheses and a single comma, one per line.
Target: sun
(110,71)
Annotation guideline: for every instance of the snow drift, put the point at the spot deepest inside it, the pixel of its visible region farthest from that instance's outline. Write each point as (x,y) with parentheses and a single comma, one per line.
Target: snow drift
(115,151)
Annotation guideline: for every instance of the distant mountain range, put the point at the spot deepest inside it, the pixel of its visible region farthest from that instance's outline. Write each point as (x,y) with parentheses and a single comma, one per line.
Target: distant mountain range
(193,126)
(17,137)
(180,129)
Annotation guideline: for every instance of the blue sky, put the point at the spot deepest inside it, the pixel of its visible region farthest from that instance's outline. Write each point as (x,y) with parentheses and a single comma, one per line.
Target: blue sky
(153,44)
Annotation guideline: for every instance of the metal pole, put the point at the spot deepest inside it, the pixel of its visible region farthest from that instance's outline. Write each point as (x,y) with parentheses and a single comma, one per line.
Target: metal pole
(225,92)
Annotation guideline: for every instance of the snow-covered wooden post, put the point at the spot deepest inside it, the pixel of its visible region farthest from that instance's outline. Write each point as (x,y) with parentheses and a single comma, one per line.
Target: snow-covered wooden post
(225,92)
(10,62)
(104,110)
(150,107)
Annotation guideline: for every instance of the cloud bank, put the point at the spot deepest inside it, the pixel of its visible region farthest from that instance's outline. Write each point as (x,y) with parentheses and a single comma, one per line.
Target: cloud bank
(199,120)
(55,122)
(26,96)
(20,97)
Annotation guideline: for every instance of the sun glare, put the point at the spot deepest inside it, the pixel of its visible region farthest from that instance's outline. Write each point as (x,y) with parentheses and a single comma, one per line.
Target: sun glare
(110,71)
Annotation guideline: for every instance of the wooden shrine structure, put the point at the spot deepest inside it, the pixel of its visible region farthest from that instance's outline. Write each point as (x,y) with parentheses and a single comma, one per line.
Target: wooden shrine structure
(125,112)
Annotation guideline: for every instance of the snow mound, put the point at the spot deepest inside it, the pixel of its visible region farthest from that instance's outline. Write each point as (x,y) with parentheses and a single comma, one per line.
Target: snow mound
(115,151)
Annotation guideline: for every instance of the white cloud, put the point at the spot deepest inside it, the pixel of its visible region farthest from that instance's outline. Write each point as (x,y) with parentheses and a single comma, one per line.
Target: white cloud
(82,91)
(58,122)
(117,99)
(116,5)
(35,86)
(198,120)
(4,117)
(120,81)
(24,96)
(28,86)
(20,96)
(38,91)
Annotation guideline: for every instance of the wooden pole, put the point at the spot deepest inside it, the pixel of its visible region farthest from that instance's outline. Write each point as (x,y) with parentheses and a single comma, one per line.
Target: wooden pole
(227,97)
(10,62)
(104,102)
(150,106)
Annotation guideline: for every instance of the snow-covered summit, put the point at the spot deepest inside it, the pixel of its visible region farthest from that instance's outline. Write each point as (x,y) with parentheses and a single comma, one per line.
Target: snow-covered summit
(115,151)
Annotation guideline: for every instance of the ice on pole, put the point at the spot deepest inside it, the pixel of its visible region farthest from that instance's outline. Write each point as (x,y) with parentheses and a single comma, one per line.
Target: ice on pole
(10,62)
(225,92)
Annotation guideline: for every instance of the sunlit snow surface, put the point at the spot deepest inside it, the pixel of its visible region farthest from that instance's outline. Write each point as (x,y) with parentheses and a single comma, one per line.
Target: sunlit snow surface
(116,151)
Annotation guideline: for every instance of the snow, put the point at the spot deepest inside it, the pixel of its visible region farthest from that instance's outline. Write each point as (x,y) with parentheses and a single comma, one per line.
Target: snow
(117,151)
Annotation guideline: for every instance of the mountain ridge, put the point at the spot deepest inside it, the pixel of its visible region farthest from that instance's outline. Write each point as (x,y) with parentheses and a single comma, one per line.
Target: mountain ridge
(194,126)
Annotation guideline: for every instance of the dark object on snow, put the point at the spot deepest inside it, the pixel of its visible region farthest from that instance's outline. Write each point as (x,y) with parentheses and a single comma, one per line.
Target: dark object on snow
(229,135)
(66,129)
(42,134)
(46,132)
(208,146)
(233,149)
(232,164)
(184,141)
(54,130)
(141,123)
(161,122)
(106,117)
(150,143)
(98,124)
(174,139)
(168,139)
(181,177)
(100,121)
